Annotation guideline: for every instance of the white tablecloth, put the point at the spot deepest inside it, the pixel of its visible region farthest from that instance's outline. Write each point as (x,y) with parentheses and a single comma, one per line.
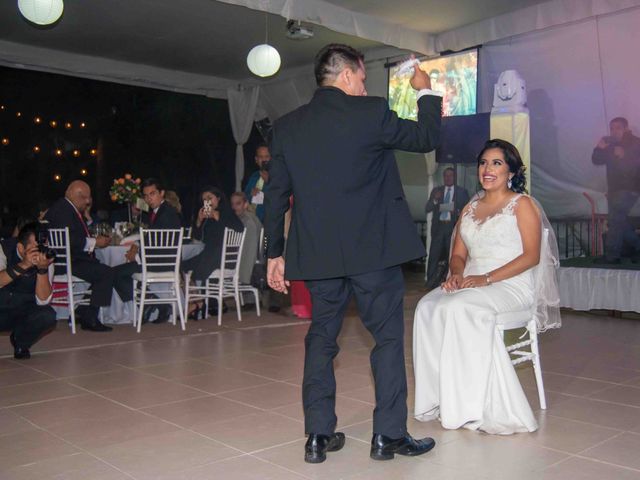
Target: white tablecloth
(599,288)
(122,312)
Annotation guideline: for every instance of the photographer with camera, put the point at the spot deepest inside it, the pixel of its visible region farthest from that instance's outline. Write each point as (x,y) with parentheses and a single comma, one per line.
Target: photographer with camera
(26,273)
(257,183)
(620,153)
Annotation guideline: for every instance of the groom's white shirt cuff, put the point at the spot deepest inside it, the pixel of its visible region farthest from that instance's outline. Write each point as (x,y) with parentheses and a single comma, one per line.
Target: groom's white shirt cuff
(427,91)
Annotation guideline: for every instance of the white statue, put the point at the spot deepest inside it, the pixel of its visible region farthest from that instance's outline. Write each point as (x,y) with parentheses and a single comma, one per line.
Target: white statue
(510,93)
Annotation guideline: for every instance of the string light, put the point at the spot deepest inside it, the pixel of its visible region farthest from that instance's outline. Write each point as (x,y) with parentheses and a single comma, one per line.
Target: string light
(2,107)
(36,149)
(5,141)
(53,124)
(93,152)
(76,153)
(84,172)
(58,152)
(82,125)
(68,125)
(37,120)
(57,177)
(18,114)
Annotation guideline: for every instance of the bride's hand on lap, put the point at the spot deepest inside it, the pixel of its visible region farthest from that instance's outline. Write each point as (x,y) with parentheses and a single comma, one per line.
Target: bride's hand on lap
(452,283)
(473,281)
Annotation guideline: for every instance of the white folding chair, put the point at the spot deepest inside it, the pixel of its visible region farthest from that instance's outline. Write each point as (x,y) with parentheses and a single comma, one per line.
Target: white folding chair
(224,281)
(187,233)
(160,251)
(245,287)
(66,295)
(525,319)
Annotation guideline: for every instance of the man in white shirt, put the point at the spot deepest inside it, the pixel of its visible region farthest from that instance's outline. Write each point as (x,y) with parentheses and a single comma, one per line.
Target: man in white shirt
(26,275)
(446,202)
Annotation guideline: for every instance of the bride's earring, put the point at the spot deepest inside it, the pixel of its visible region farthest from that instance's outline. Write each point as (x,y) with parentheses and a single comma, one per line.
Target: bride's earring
(509,183)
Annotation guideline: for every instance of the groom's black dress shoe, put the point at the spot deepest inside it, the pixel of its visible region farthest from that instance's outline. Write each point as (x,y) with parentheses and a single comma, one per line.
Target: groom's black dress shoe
(317,446)
(384,448)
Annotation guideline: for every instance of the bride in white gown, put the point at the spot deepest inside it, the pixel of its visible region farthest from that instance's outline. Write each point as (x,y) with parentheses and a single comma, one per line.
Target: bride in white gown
(463,373)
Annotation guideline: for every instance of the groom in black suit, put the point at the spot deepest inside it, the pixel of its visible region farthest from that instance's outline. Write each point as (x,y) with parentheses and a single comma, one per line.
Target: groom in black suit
(350,231)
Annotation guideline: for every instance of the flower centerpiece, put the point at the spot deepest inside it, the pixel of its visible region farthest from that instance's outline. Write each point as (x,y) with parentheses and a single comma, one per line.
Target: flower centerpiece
(125,189)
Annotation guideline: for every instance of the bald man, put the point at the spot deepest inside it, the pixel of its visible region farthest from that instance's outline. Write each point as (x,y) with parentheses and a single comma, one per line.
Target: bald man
(68,212)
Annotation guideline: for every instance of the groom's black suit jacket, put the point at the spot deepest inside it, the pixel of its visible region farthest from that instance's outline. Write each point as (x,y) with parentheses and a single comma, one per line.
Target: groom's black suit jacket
(335,155)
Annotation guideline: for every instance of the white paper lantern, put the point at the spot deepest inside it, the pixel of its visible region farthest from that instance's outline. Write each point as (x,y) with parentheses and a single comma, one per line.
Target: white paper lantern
(263,60)
(41,12)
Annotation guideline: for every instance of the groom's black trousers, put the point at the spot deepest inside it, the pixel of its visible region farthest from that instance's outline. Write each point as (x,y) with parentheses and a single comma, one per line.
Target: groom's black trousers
(379,297)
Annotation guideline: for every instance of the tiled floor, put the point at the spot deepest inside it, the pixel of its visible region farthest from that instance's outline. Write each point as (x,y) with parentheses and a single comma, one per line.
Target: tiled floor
(225,403)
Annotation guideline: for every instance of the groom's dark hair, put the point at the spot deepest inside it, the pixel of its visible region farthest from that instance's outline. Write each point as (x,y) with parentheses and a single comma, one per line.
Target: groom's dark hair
(334,58)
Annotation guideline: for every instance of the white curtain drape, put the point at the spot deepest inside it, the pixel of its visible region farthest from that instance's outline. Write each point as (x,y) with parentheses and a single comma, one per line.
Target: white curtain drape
(242,111)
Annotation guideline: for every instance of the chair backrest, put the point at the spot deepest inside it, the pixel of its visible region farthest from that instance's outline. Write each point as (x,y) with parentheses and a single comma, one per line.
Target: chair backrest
(59,243)
(232,251)
(161,249)
(261,245)
(187,233)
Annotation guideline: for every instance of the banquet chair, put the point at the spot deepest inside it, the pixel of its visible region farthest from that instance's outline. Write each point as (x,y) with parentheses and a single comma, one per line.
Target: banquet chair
(187,233)
(67,290)
(525,319)
(224,281)
(246,287)
(160,252)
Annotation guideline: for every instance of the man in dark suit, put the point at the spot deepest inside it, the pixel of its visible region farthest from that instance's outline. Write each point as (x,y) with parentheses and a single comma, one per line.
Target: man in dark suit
(446,203)
(350,231)
(66,212)
(161,215)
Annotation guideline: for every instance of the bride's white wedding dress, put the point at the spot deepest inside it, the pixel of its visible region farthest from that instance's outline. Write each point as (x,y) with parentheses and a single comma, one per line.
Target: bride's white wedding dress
(463,374)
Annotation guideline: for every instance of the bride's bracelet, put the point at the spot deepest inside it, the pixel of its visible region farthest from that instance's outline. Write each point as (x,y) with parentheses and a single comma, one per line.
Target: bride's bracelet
(488,277)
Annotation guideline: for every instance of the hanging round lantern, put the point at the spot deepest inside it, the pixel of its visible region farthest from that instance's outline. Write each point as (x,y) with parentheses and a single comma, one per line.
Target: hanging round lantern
(41,12)
(263,60)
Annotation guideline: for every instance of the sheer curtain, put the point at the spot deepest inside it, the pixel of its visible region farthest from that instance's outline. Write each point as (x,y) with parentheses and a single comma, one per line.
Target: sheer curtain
(242,111)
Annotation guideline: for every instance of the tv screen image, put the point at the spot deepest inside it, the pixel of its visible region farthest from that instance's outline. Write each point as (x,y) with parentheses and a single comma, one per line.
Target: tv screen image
(455,76)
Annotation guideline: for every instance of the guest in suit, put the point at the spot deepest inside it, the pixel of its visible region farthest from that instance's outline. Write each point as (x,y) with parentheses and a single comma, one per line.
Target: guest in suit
(67,212)
(257,183)
(442,223)
(214,216)
(161,214)
(351,229)
(25,291)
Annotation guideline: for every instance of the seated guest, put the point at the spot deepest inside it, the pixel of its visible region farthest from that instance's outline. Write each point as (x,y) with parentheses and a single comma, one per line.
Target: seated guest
(499,264)
(214,216)
(173,199)
(257,183)
(66,212)
(161,214)
(240,206)
(25,291)
(89,218)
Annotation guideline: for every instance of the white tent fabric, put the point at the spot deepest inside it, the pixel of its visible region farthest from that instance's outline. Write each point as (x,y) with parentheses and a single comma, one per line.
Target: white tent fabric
(345,21)
(242,111)
(578,77)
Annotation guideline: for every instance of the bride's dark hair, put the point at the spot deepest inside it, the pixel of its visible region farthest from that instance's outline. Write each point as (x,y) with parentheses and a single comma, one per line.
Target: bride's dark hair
(513,159)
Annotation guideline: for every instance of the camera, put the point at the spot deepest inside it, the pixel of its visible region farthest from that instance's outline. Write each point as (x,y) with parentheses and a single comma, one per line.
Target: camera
(42,238)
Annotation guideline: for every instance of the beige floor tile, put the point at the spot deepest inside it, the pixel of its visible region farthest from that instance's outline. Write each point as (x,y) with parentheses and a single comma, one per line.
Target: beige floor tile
(621,450)
(364,431)
(28,447)
(245,467)
(253,432)
(69,364)
(351,460)
(84,407)
(165,454)
(221,379)
(566,435)
(596,371)
(598,413)
(406,468)
(21,375)
(9,364)
(12,423)
(120,378)
(364,394)
(269,396)
(178,370)
(620,394)
(348,411)
(78,466)
(494,456)
(583,469)
(150,394)
(36,392)
(635,382)
(201,411)
(554,382)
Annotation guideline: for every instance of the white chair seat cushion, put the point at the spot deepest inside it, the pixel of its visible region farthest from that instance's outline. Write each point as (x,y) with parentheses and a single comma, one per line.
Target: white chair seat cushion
(517,319)
(63,278)
(155,276)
